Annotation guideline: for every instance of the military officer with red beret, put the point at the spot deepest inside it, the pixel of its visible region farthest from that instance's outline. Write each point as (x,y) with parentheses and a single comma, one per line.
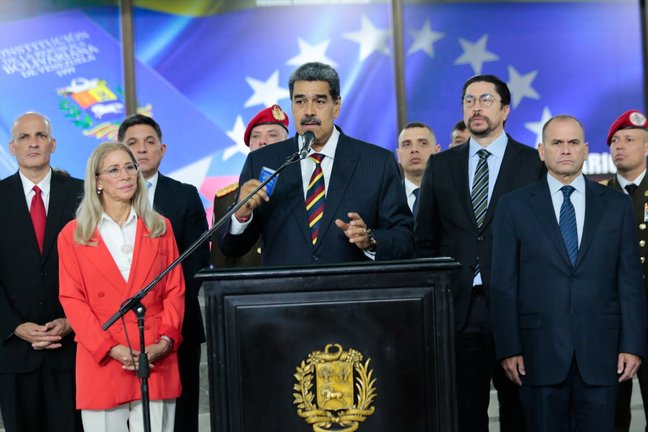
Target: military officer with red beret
(628,141)
(269,126)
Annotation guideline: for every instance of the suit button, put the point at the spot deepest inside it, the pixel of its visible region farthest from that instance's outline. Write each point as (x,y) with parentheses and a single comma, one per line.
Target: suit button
(480,238)
(101,294)
(642,226)
(43,274)
(259,250)
(315,258)
(643,260)
(642,243)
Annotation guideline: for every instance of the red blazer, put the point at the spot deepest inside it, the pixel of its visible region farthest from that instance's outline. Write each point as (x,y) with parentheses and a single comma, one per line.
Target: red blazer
(92,290)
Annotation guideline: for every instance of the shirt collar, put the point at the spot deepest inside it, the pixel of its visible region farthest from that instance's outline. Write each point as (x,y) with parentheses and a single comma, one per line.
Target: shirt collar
(555,185)
(329,148)
(154,179)
(623,182)
(44,184)
(132,217)
(409,186)
(496,148)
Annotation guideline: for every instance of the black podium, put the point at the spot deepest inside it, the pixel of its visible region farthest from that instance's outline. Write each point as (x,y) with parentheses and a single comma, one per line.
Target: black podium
(365,347)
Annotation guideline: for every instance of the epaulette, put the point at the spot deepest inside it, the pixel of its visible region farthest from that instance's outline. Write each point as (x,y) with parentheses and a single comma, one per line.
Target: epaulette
(227,190)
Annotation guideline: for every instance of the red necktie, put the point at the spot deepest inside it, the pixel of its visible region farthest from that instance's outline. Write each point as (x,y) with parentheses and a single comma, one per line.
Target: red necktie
(38,217)
(315,195)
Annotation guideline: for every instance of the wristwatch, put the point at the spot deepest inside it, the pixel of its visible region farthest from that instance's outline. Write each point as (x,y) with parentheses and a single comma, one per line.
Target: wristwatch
(372,241)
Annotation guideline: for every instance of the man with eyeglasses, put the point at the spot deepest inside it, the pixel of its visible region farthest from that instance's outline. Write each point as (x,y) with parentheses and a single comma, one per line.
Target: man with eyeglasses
(181,204)
(459,191)
(37,348)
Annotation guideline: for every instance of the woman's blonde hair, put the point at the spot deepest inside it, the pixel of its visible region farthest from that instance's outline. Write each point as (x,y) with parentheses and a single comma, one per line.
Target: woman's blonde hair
(90,210)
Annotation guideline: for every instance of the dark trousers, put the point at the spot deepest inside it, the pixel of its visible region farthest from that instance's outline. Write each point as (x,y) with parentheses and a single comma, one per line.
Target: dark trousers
(571,406)
(623,414)
(476,366)
(187,405)
(39,401)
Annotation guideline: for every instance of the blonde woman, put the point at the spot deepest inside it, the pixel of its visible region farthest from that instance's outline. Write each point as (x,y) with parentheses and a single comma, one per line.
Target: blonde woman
(116,246)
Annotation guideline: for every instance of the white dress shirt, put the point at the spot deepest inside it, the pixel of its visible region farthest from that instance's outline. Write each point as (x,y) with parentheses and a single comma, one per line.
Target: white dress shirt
(577,199)
(151,189)
(120,240)
(623,182)
(44,185)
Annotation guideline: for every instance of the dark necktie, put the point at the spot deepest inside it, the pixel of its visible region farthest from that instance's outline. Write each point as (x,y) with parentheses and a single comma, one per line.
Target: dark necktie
(568,224)
(38,217)
(479,194)
(315,195)
(415,206)
(631,188)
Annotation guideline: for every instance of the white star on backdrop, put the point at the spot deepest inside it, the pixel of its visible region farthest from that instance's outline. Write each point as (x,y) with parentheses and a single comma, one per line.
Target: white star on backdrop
(236,135)
(536,127)
(267,92)
(520,85)
(311,53)
(475,54)
(424,39)
(370,39)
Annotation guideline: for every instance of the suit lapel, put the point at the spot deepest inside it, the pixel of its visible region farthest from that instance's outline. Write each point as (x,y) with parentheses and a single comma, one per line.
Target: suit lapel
(292,176)
(344,165)
(543,211)
(504,182)
(144,254)
(160,198)
(460,175)
(57,202)
(20,215)
(594,209)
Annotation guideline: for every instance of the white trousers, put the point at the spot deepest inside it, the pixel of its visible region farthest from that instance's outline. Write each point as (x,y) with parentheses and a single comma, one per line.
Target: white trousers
(129,417)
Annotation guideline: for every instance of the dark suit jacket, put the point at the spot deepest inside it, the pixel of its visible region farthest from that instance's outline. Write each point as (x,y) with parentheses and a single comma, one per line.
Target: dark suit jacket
(180,203)
(364,179)
(29,282)
(446,223)
(548,311)
(217,258)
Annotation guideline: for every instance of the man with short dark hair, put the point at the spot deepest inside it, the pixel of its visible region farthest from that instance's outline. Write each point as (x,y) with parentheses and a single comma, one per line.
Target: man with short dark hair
(460,190)
(181,204)
(459,134)
(344,202)
(416,143)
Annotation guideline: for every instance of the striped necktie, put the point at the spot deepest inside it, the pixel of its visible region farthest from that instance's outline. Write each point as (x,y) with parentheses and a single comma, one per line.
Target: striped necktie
(479,194)
(568,224)
(315,196)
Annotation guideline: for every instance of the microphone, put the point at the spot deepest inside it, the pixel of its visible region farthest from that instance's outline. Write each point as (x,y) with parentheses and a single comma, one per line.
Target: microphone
(309,139)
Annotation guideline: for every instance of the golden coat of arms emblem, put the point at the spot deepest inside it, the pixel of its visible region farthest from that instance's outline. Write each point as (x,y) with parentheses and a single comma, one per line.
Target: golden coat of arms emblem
(335,405)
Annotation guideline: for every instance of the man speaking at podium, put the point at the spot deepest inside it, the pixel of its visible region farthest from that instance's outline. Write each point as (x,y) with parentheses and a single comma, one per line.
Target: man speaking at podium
(343,202)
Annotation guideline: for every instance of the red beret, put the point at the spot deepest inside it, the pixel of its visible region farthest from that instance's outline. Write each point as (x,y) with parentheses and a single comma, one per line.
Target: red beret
(632,119)
(270,115)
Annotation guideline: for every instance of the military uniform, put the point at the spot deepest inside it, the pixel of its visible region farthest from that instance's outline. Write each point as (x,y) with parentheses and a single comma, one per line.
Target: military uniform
(223,199)
(633,119)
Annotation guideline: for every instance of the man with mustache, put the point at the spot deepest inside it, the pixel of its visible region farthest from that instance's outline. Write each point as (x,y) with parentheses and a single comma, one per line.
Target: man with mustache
(628,141)
(459,192)
(344,202)
(416,143)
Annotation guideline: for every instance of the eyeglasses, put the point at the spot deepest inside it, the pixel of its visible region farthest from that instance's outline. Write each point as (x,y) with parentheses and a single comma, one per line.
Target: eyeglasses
(114,171)
(485,100)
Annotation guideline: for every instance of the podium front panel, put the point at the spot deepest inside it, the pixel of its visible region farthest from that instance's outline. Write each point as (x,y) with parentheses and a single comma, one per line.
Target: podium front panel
(264,328)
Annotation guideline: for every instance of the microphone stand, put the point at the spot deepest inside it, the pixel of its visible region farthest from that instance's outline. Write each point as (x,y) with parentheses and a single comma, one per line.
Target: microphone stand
(134,303)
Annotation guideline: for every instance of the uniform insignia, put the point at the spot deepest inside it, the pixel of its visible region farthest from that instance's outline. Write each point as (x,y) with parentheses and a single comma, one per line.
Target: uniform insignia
(604,182)
(227,190)
(638,119)
(334,403)
(277,113)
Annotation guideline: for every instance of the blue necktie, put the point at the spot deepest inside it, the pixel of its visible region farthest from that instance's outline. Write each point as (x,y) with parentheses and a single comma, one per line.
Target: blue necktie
(568,224)
(415,206)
